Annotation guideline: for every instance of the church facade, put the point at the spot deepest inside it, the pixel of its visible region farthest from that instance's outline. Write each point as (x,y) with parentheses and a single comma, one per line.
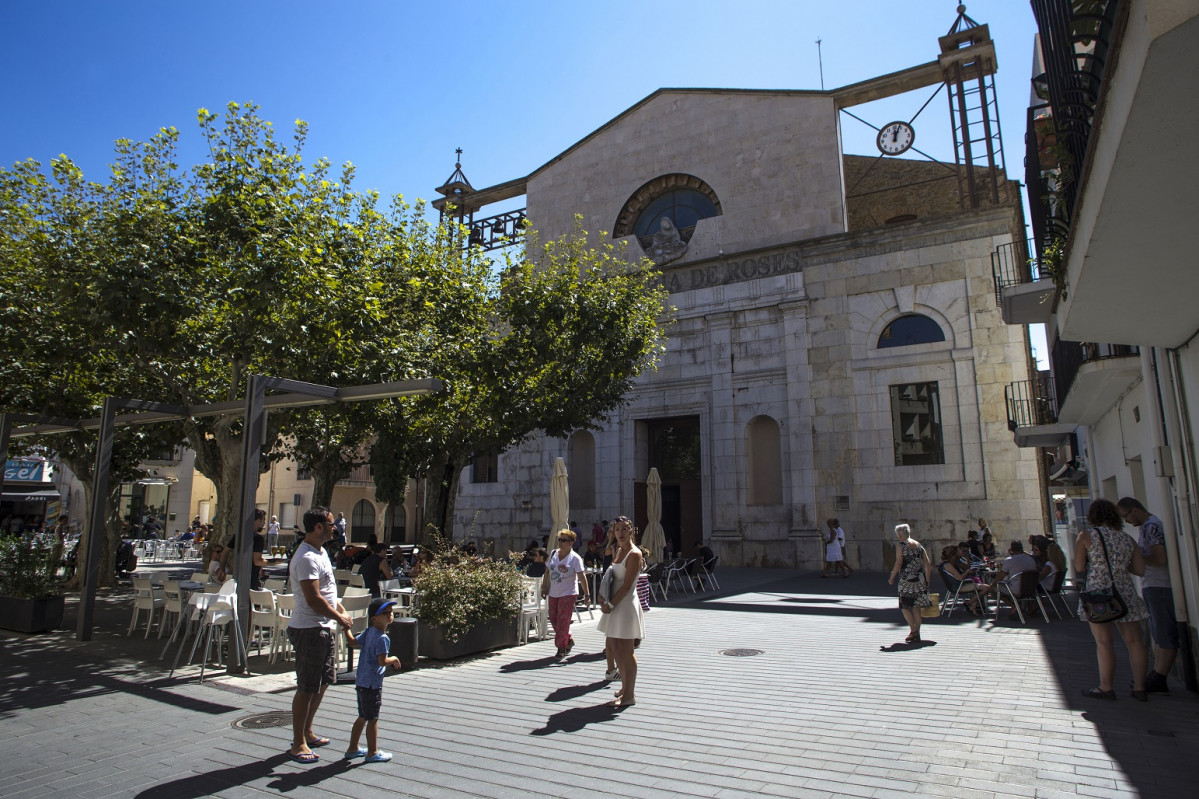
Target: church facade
(835,348)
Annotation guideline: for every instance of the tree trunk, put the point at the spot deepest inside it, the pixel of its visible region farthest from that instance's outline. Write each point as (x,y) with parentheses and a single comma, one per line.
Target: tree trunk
(441,490)
(106,574)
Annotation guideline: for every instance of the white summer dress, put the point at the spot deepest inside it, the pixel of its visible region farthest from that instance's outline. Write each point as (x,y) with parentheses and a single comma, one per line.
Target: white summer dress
(626,619)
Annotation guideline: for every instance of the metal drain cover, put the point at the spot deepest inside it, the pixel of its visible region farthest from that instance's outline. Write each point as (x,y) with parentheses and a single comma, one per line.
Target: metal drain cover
(741,653)
(260,721)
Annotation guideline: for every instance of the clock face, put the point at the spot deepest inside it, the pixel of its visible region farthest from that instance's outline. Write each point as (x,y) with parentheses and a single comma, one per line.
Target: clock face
(895,138)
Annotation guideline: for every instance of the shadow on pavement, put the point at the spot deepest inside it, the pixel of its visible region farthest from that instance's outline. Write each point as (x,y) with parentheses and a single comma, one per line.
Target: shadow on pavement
(906,647)
(572,691)
(577,718)
(197,785)
(37,676)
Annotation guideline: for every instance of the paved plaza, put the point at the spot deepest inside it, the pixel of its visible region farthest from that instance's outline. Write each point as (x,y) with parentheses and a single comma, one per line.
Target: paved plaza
(830,707)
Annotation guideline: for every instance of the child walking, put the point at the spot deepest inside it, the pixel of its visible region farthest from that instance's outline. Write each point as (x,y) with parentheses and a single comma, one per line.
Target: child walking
(373,660)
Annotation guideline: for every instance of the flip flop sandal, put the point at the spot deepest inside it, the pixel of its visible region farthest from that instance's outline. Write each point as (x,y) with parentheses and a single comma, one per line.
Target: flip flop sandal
(318,742)
(304,757)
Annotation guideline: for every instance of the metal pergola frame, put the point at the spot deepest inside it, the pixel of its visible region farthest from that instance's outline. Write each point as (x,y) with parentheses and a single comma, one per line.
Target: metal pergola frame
(254,407)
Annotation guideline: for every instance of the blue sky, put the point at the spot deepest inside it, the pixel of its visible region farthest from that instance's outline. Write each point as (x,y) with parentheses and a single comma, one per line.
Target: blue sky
(395,86)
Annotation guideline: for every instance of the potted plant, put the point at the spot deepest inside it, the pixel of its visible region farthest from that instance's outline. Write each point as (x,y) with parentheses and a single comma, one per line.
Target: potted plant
(466,605)
(31,595)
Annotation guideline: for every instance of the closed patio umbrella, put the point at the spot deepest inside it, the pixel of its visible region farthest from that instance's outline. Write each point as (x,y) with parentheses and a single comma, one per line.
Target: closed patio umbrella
(559,502)
(654,538)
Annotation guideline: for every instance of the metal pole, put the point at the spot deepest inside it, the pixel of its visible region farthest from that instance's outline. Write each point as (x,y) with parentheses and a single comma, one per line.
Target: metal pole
(252,433)
(4,427)
(95,527)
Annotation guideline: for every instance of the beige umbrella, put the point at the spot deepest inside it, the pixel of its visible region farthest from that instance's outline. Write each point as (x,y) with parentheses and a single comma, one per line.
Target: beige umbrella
(559,502)
(653,541)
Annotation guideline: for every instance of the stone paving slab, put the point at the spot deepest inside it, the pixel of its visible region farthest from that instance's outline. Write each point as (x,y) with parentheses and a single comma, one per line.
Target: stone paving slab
(833,706)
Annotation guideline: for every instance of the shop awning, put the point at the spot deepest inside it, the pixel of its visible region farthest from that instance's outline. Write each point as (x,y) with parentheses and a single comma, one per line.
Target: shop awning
(16,494)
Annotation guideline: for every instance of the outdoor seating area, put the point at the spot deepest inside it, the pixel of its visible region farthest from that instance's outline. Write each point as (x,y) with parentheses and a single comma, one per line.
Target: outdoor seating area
(982,587)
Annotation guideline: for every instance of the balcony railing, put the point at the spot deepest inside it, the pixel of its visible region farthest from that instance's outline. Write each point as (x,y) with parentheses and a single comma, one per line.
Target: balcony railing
(1031,403)
(1069,356)
(1075,41)
(1011,266)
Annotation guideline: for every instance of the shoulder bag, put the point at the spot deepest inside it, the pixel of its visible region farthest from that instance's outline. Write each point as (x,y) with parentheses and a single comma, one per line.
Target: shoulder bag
(1104,604)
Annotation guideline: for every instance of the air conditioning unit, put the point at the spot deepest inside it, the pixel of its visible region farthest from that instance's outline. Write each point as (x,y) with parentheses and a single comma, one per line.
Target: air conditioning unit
(1069,466)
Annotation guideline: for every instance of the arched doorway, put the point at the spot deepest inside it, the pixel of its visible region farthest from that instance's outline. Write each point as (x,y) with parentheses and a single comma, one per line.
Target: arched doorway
(362,522)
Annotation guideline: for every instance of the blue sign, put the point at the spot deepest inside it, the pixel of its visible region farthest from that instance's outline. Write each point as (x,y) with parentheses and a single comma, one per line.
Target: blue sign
(25,471)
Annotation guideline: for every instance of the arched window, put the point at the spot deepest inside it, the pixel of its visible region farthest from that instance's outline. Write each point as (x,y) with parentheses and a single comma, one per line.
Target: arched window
(395,523)
(763,462)
(362,521)
(683,199)
(910,329)
(581,475)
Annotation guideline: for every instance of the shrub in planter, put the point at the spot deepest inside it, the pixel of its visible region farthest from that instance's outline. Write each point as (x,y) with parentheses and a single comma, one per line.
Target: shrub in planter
(459,592)
(27,569)
(31,596)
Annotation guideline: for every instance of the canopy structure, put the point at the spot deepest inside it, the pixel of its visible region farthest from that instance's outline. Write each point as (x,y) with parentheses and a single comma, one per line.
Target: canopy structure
(18,494)
(254,408)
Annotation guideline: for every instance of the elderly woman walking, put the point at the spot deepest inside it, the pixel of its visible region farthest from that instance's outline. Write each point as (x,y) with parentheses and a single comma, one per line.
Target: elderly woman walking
(913,568)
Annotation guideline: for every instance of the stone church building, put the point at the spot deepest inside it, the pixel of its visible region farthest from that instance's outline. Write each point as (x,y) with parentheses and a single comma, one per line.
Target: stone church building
(836,349)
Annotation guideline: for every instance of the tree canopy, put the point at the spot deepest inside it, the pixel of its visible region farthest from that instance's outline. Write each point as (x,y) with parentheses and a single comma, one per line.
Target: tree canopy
(174,284)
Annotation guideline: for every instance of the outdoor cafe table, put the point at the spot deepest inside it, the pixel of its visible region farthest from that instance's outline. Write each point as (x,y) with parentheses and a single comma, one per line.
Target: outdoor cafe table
(186,589)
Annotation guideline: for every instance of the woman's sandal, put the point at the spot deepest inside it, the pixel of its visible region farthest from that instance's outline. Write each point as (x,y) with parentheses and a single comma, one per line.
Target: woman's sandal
(1096,693)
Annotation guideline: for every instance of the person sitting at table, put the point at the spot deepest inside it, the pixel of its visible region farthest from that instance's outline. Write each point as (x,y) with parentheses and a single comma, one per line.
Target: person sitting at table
(988,546)
(423,559)
(974,545)
(593,557)
(1040,554)
(374,568)
(1015,564)
(216,566)
(537,567)
(972,589)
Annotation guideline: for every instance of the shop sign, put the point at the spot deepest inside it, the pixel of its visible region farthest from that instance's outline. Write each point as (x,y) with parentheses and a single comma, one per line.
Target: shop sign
(25,471)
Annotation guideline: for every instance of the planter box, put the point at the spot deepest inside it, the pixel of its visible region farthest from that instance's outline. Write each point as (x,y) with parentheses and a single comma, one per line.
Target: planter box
(480,638)
(31,615)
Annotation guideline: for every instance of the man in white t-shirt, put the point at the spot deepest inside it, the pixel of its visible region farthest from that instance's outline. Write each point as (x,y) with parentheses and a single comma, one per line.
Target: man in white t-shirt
(314,622)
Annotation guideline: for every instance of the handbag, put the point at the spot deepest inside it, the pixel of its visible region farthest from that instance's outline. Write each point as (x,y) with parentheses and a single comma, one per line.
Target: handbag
(1103,604)
(643,591)
(933,609)
(605,587)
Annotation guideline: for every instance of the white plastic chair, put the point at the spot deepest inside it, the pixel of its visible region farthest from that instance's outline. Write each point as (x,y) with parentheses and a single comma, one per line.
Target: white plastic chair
(148,598)
(352,591)
(262,616)
(221,610)
(357,608)
(280,643)
(533,610)
(357,580)
(172,604)
(275,584)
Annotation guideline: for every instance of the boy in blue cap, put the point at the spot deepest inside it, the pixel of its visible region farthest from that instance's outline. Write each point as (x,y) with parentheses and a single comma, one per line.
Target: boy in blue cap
(373,660)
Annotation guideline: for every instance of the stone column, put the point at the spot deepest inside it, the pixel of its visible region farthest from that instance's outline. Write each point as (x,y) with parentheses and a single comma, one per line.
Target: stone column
(723,500)
(801,475)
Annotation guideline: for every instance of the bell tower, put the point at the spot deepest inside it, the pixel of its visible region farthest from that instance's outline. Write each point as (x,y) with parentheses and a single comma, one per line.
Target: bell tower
(967,62)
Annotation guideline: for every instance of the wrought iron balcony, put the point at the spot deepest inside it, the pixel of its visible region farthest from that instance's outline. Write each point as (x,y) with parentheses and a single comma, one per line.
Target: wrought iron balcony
(1075,41)
(1032,413)
(1023,293)
(1090,378)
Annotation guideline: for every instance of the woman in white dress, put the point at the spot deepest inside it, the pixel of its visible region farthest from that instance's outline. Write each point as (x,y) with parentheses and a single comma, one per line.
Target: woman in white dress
(622,621)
